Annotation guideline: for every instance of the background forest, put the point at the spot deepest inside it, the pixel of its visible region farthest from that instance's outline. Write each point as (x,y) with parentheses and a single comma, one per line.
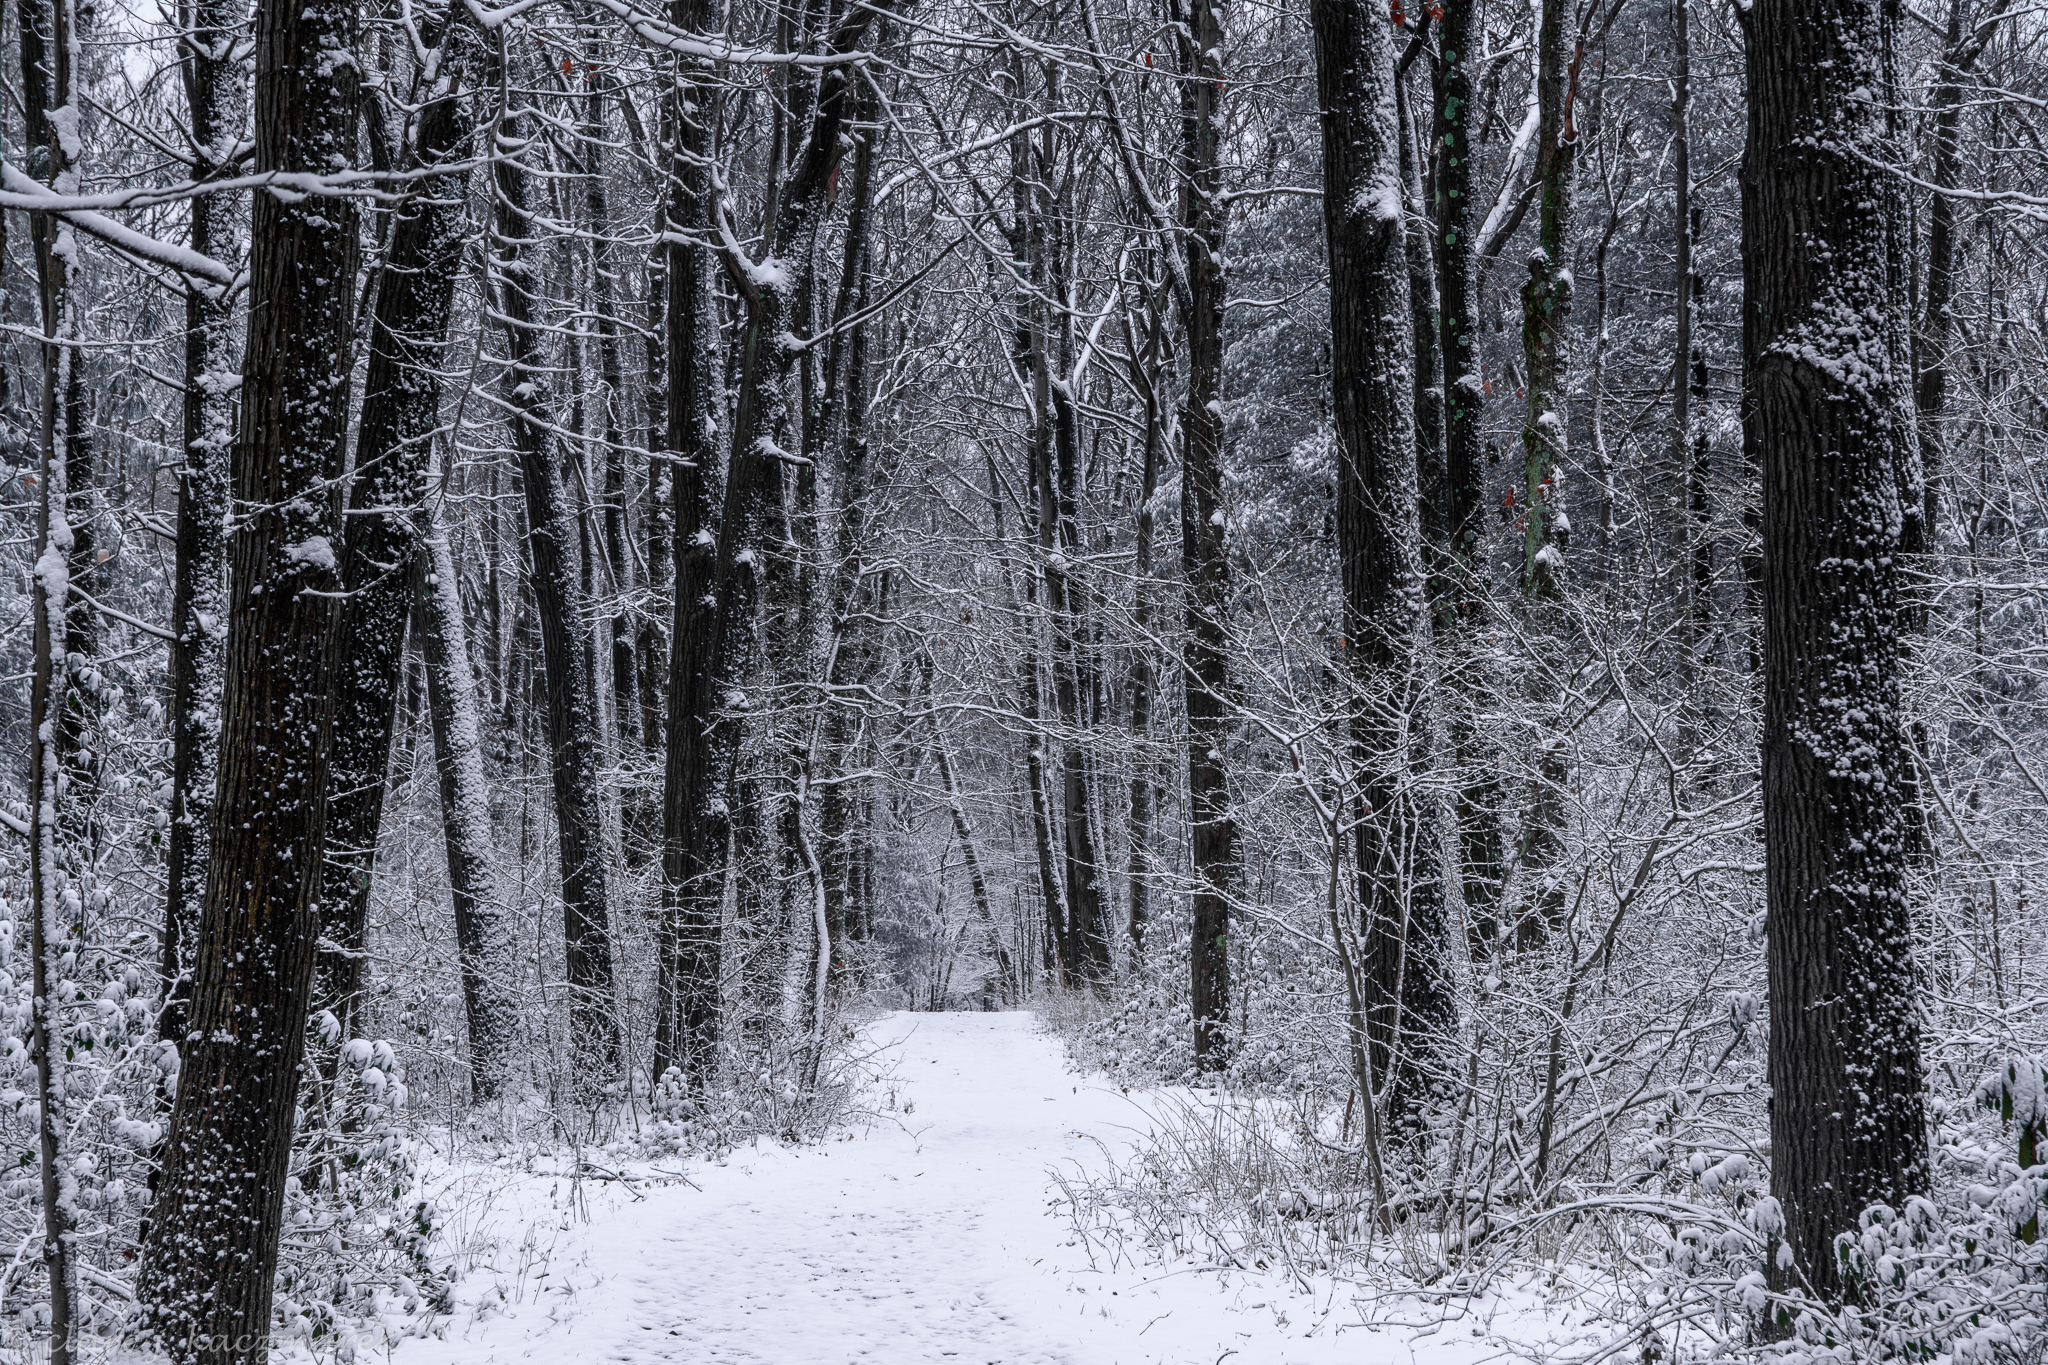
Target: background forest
(621,538)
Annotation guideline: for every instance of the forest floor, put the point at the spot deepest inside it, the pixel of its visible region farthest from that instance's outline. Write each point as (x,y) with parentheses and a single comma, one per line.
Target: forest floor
(938,1237)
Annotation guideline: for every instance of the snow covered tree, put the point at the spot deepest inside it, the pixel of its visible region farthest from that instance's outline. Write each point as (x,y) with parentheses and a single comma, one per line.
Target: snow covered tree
(209,1261)
(1828,421)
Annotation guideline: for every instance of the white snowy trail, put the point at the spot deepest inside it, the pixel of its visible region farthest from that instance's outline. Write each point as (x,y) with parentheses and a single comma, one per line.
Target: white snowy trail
(936,1243)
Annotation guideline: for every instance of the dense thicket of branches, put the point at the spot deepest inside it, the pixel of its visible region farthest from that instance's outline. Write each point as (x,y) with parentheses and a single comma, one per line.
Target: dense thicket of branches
(552,553)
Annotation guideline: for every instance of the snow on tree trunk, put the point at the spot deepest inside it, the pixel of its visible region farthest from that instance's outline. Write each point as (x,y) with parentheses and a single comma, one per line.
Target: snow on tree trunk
(1212,833)
(696,811)
(1403,980)
(59,860)
(208,1261)
(1827,418)
(483,942)
(218,91)
(575,742)
(401,409)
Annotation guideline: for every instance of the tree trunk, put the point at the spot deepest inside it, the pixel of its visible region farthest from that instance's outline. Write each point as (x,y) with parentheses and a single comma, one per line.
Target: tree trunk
(1827,421)
(209,1261)
(1143,683)
(57,855)
(218,92)
(855,624)
(1546,309)
(401,410)
(710,689)
(575,745)
(1212,832)
(1546,313)
(1454,140)
(483,945)
(1405,992)
(696,819)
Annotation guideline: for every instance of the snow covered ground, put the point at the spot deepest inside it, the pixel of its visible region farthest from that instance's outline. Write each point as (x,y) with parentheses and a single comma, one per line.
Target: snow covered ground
(935,1241)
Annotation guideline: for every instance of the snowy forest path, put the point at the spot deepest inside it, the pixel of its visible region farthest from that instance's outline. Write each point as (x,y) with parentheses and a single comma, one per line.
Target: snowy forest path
(937,1241)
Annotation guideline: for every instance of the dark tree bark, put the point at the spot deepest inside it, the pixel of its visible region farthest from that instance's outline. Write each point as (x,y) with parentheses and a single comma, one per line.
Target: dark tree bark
(856,626)
(59,851)
(401,410)
(1546,307)
(1404,985)
(575,745)
(1147,359)
(1546,315)
(1454,143)
(1962,47)
(709,688)
(1056,459)
(1212,833)
(217,94)
(1827,420)
(696,819)
(211,1253)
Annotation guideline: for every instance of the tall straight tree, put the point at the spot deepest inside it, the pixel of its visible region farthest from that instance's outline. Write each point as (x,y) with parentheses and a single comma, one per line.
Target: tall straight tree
(696,822)
(1827,419)
(483,947)
(211,1253)
(217,89)
(57,857)
(1212,833)
(575,743)
(1404,988)
(1453,149)
(1546,306)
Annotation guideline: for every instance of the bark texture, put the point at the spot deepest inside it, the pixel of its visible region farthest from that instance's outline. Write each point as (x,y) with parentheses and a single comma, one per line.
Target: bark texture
(401,409)
(209,1259)
(1404,987)
(1827,419)
(1212,833)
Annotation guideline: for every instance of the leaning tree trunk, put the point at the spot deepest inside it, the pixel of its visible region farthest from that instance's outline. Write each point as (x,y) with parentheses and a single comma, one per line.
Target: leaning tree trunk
(209,1261)
(1404,984)
(1827,419)
(1212,834)
(401,409)
(575,745)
